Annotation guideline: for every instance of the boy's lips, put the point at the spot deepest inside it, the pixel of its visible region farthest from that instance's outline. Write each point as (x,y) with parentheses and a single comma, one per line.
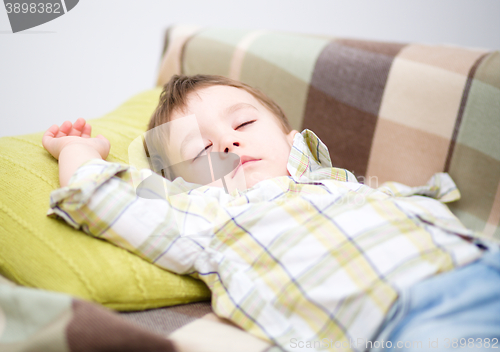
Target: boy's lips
(243,160)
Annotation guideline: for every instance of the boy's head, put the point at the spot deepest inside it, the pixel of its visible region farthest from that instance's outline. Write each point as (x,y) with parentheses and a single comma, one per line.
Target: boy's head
(232,117)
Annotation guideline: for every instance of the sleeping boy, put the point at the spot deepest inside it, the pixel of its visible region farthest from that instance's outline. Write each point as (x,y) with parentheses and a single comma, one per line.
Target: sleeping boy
(294,250)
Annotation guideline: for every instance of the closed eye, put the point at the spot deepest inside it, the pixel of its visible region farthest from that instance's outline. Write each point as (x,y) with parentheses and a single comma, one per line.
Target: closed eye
(246,123)
(196,157)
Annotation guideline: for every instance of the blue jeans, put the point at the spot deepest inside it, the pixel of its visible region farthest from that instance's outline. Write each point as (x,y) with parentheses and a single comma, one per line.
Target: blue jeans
(459,308)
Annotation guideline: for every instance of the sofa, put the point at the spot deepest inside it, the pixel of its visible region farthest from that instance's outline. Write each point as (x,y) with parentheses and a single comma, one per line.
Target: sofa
(386,111)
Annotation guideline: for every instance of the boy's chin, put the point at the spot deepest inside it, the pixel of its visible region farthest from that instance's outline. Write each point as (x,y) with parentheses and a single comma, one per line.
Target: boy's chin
(255,177)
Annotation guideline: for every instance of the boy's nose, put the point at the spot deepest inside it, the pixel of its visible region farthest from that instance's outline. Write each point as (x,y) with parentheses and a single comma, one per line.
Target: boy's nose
(235,144)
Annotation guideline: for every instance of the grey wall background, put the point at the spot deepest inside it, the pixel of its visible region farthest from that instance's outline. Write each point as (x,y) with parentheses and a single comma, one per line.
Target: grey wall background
(89,61)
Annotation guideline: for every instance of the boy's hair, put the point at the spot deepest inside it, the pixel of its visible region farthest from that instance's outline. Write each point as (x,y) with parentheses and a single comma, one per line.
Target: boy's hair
(174,98)
(175,91)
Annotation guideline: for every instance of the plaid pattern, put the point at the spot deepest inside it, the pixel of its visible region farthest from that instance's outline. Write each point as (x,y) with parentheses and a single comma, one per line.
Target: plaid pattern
(386,111)
(44,321)
(288,258)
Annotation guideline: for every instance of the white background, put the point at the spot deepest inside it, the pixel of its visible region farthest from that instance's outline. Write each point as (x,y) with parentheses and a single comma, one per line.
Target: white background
(102,52)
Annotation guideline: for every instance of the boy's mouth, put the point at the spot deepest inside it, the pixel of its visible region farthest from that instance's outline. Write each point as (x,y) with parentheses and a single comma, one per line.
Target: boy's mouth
(243,160)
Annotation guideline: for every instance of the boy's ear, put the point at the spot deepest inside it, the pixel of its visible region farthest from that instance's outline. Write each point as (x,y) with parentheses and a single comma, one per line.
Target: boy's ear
(291,135)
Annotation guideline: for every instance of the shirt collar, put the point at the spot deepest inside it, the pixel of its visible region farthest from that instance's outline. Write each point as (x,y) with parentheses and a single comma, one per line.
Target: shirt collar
(309,159)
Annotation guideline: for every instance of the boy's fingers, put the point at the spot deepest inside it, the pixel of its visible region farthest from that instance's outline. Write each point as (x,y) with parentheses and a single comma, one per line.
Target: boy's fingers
(100,136)
(86,131)
(78,127)
(64,129)
(49,134)
(51,131)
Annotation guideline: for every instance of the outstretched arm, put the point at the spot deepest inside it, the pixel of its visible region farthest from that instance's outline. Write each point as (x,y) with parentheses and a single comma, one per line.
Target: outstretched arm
(102,201)
(72,145)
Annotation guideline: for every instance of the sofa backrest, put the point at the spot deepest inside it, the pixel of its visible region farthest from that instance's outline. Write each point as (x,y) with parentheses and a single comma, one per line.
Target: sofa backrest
(386,111)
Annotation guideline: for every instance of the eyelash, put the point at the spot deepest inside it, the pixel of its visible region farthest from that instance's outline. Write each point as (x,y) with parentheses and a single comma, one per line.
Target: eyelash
(208,146)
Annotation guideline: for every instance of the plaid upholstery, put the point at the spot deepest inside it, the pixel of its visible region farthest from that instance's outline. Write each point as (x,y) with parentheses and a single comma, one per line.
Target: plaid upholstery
(44,321)
(386,111)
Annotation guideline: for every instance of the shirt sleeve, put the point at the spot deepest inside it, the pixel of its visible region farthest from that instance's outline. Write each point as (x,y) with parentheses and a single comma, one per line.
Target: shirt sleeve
(101,200)
(440,187)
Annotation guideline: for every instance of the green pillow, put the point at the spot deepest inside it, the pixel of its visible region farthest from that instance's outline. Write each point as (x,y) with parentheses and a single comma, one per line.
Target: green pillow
(41,252)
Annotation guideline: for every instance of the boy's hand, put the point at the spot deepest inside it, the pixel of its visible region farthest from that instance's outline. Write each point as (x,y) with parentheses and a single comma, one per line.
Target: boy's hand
(56,138)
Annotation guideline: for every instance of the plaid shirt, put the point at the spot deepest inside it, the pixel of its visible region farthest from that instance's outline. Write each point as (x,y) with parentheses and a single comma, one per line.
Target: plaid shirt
(315,256)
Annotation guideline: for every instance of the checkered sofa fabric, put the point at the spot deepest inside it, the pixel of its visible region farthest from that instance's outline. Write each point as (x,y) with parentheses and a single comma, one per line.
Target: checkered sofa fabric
(386,111)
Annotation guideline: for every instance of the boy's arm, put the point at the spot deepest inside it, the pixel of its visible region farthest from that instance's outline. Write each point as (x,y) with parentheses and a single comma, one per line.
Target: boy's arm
(100,199)
(71,158)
